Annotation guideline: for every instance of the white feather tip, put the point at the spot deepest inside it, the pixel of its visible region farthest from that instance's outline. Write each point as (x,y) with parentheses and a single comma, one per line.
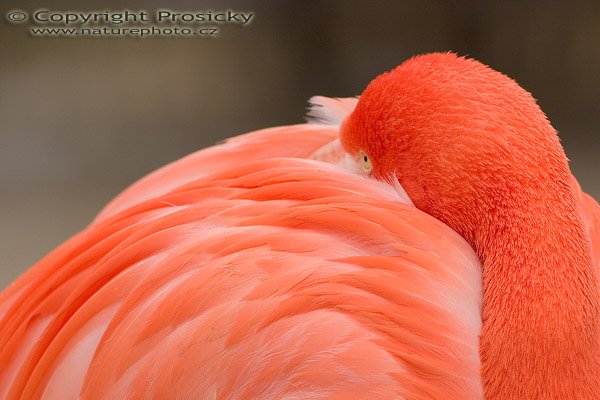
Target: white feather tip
(329,110)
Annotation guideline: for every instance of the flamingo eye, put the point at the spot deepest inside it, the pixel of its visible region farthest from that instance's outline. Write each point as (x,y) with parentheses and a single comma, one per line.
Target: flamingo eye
(365,162)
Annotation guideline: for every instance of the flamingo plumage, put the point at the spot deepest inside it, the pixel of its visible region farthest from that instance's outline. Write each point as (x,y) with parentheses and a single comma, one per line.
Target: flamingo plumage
(263,268)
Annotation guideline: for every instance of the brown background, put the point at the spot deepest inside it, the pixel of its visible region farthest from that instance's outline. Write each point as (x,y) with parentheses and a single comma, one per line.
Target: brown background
(82,118)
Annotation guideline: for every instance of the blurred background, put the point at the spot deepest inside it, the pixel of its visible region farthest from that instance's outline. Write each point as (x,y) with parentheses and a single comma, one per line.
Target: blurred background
(82,118)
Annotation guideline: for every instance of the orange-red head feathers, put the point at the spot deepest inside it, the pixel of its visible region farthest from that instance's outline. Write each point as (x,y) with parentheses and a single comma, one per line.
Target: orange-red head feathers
(457,135)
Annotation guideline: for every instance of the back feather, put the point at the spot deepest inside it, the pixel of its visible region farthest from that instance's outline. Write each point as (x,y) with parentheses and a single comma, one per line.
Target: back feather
(329,110)
(246,271)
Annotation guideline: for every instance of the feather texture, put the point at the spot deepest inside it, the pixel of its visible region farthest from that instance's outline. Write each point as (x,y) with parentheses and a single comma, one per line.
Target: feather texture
(247,271)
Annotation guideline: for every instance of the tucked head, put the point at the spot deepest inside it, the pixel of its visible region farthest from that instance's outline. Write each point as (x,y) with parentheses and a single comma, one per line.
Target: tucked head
(473,149)
(454,132)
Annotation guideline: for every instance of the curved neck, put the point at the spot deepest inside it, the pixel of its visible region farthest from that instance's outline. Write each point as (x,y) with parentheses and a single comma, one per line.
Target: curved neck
(541,315)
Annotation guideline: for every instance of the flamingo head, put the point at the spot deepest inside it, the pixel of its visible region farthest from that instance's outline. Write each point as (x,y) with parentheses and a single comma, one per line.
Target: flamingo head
(460,137)
(472,148)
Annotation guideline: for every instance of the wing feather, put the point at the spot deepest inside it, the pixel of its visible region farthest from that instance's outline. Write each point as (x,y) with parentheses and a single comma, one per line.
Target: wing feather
(246,271)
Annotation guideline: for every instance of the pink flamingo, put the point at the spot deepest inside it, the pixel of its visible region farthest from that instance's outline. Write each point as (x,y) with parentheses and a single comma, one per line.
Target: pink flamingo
(263,268)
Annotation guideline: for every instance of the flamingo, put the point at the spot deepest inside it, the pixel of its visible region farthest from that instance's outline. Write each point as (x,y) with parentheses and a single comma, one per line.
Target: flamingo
(427,240)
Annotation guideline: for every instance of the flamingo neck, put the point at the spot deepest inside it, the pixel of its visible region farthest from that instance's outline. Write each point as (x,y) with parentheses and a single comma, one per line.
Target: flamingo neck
(541,314)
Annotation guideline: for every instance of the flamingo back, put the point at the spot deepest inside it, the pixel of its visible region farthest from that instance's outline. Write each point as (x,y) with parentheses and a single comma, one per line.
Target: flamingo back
(249,271)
